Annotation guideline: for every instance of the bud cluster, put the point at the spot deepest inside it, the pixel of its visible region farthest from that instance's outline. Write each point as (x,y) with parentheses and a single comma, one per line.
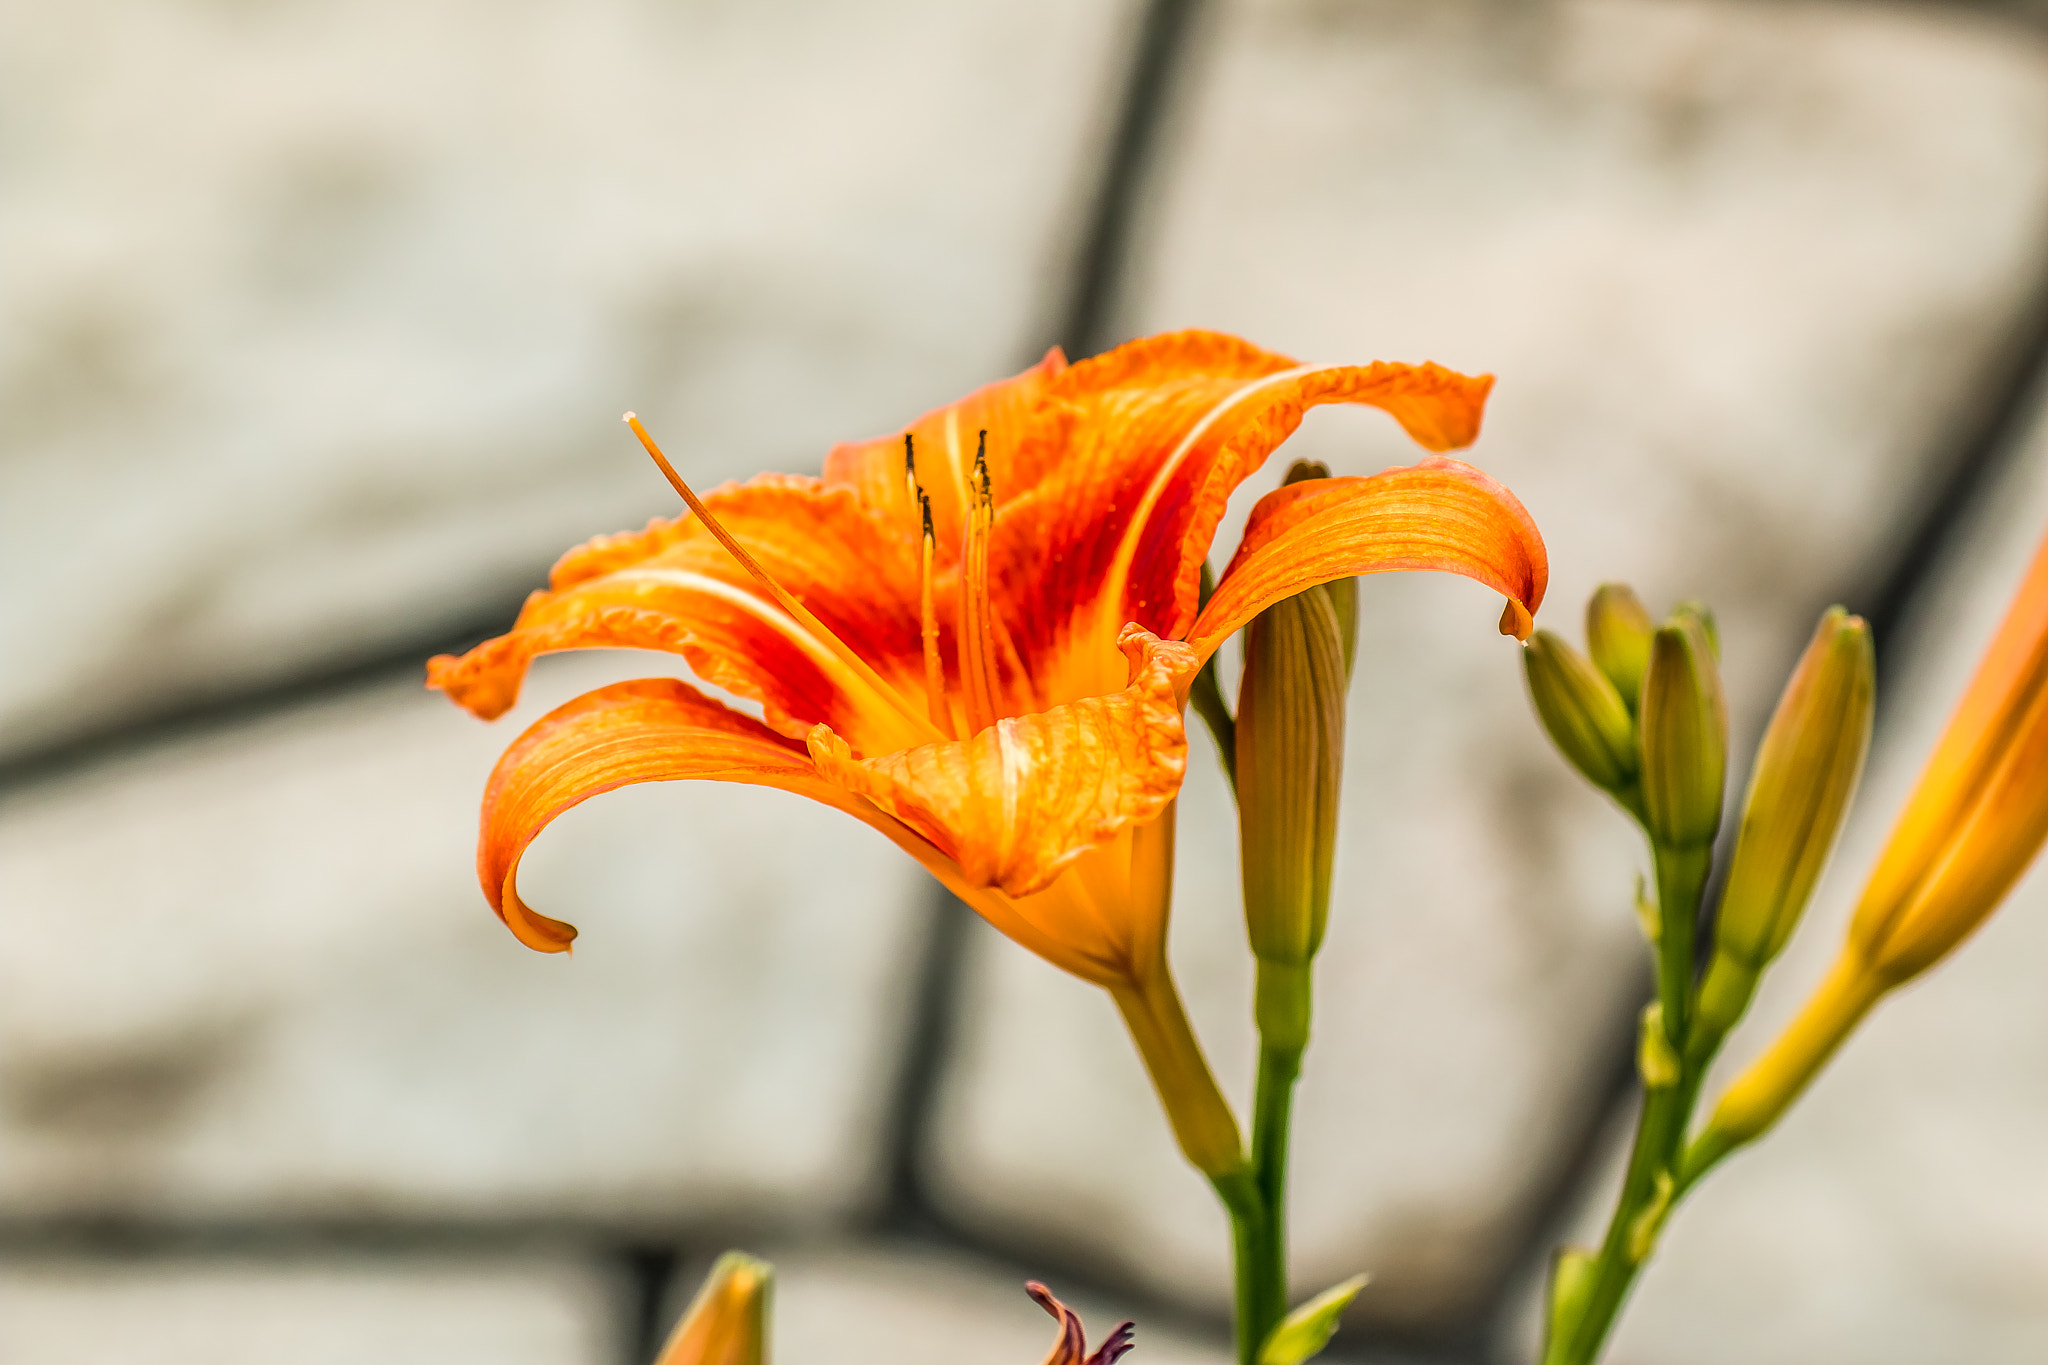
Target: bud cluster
(1642,714)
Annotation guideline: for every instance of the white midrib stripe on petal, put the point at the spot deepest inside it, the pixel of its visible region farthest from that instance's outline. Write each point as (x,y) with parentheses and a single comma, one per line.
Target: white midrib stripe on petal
(1128,546)
(763,611)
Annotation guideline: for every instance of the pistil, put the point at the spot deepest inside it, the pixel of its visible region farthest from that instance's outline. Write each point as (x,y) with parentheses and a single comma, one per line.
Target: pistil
(819,631)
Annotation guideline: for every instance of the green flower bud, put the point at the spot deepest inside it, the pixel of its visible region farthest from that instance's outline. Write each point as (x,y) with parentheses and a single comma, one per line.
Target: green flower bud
(1684,726)
(1582,711)
(1618,631)
(1290,768)
(1806,770)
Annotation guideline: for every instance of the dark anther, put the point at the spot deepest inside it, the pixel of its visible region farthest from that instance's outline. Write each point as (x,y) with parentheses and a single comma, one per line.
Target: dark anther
(909,457)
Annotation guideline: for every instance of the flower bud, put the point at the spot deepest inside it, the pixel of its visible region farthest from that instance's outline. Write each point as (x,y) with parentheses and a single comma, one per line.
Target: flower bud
(1806,770)
(1684,726)
(1582,711)
(1618,631)
(1290,767)
(727,1323)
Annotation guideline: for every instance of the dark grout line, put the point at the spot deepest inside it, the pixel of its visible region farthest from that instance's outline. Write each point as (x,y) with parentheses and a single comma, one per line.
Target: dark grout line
(930,1034)
(649,1271)
(202,715)
(1158,54)
(2002,404)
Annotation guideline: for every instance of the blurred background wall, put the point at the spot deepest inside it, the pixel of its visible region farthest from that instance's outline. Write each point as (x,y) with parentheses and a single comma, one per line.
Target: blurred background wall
(318,321)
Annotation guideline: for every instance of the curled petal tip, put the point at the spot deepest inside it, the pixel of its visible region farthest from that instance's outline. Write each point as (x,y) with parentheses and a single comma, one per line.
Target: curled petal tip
(1515,620)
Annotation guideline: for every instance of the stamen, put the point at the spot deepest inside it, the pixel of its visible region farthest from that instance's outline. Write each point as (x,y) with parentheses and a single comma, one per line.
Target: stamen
(910,468)
(802,614)
(977,642)
(928,620)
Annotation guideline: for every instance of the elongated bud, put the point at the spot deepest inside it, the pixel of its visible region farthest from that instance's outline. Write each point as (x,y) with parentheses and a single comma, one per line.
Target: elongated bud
(727,1323)
(1582,712)
(1290,767)
(1290,771)
(1684,728)
(1618,631)
(1806,771)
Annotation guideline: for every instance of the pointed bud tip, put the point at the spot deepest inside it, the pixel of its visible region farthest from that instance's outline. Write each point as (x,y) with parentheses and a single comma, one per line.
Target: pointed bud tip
(1684,729)
(1618,630)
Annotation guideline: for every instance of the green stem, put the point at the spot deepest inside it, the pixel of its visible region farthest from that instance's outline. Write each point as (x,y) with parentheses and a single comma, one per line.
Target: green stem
(1651,1186)
(1681,877)
(1659,1131)
(1272,1110)
(1239,1191)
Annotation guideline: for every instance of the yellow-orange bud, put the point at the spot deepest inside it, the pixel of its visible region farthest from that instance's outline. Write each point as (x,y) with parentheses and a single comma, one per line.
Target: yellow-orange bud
(727,1323)
(1980,811)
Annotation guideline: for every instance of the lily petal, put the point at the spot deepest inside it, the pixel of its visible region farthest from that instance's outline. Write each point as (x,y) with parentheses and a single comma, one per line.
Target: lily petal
(1071,1347)
(673,587)
(945,439)
(651,730)
(1440,514)
(1120,484)
(1019,802)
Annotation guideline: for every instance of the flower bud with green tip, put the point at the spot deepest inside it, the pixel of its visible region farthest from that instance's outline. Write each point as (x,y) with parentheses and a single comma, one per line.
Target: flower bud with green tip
(1583,713)
(1618,631)
(1702,615)
(727,1323)
(1290,771)
(1684,727)
(1806,770)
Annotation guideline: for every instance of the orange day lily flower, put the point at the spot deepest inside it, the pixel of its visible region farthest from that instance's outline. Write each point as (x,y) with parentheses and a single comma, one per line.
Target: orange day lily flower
(978,634)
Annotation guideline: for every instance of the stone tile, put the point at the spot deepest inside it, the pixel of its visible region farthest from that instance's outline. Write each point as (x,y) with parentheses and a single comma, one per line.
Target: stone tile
(321,317)
(251,975)
(402,1310)
(1736,266)
(901,1305)
(1900,1212)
